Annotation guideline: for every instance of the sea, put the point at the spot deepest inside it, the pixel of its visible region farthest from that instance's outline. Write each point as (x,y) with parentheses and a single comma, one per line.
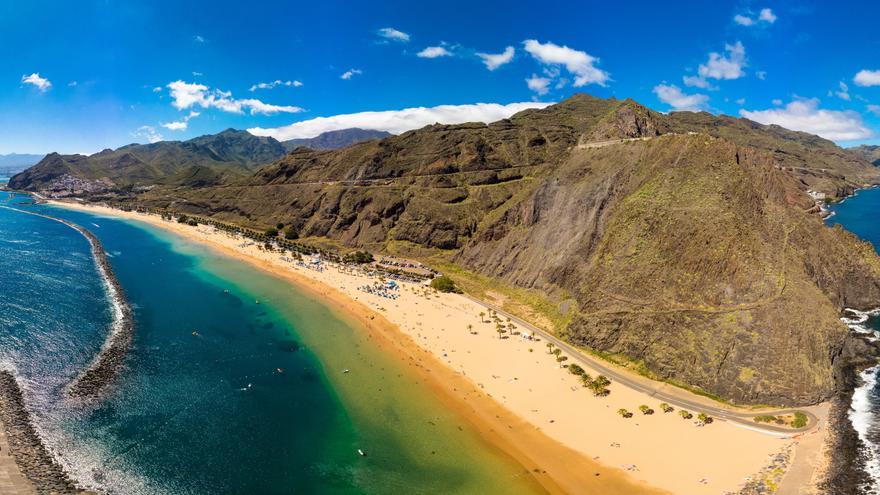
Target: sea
(236,382)
(860,214)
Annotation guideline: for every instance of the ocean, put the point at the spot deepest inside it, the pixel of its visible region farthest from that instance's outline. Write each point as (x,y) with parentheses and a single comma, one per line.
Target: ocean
(859,215)
(219,394)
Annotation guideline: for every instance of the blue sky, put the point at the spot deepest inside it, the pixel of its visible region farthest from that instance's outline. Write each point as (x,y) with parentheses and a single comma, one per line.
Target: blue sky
(86,75)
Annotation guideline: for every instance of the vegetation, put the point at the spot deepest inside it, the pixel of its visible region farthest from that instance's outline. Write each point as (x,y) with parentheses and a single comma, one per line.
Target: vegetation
(576,370)
(666,408)
(290,233)
(624,413)
(646,410)
(360,257)
(685,414)
(800,420)
(704,418)
(444,284)
(271,232)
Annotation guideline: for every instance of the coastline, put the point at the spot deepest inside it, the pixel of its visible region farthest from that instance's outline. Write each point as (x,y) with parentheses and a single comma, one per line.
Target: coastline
(560,428)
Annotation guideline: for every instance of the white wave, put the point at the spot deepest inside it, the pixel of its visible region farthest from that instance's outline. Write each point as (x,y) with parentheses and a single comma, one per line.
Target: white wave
(861,415)
(856,320)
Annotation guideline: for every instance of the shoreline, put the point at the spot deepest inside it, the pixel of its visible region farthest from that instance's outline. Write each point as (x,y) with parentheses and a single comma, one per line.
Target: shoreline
(513,420)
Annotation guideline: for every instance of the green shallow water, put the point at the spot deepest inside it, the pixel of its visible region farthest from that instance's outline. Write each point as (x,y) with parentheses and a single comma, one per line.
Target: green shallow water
(209,414)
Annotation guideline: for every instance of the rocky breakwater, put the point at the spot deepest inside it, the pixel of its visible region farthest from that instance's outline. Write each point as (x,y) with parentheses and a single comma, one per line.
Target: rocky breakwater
(34,461)
(109,360)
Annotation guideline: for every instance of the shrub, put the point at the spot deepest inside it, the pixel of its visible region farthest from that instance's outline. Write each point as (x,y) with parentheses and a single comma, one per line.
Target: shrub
(290,233)
(182,219)
(359,257)
(279,226)
(444,284)
(575,369)
(271,232)
(800,420)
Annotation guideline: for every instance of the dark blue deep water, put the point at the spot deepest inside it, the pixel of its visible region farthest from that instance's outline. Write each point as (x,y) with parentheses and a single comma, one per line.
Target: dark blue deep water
(211,413)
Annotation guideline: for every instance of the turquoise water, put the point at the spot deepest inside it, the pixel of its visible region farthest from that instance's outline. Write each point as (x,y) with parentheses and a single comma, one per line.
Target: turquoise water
(254,403)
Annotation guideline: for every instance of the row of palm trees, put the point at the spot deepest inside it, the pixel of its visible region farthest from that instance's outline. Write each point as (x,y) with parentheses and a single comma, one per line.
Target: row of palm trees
(598,385)
(703,418)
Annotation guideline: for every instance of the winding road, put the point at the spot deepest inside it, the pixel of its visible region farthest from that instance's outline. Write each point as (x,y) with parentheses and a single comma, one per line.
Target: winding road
(675,397)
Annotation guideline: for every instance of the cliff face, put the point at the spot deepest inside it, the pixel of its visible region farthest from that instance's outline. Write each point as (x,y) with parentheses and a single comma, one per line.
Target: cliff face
(684,243)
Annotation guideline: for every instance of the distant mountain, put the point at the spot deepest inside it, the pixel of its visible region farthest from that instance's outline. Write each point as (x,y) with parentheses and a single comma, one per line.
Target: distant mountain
(16,162)
(868,152)
(205,160)
(334,140)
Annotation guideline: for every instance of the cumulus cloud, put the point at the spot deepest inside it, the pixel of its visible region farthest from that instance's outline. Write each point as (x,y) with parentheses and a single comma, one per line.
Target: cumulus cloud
(767,16)
(147,132)
(182,124)
(875,109)
(579,63)
(434,52)
(764,16)
(275,84)
(350,73)
(494,61)
(188,95)
(37,81)
(720,66)
(538,84)
(393,34)
(398,121)
(777,102)
(806,116)
(867,78)
(198,39)
(673,96)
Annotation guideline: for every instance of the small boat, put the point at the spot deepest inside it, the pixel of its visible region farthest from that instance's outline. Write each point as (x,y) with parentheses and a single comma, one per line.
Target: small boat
(226,291)
(361,452)
(258,301)
(279,370)
(195,334)
(346,370)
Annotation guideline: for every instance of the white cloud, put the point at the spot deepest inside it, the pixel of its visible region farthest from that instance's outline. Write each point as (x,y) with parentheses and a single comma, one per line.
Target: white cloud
(72,84)
(761,74)
(434,52)
(188,95)
(806,116)
(350,73)
(767,16)
(393,34)
(198,39)
(867,78)
(157,89)
(37,81)
(276,83)
(147,132)
(696,82)
(494,61)
(875,109)
(743,20)
(182,124)
(197,74)
(398,121)
(673,96)
(777,102)
(539,84)
(578,63)
(764,16)
(741,101)
(843,92)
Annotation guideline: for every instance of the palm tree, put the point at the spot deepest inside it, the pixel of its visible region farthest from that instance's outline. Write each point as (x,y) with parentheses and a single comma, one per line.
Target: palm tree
(586,380)
(646,410)
(624,413)
(557,351)
(470,328)
(549,347)
(603,380)
(666,407)
(704,418)
(500,332)
(482,314)
(685,414)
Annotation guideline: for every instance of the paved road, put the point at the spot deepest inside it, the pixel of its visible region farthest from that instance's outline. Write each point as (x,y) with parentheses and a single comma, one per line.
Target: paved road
(743,418)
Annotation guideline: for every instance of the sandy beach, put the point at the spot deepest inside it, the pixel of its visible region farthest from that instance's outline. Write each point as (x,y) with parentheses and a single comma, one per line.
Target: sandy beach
(519,398)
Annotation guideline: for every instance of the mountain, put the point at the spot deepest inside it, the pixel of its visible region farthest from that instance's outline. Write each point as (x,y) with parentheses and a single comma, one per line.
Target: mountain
(16,162)
(685,246)
(205,160)
(333,140)
(867,152)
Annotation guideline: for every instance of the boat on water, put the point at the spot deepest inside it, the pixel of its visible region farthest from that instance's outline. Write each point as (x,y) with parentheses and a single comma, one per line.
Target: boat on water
(362,453)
